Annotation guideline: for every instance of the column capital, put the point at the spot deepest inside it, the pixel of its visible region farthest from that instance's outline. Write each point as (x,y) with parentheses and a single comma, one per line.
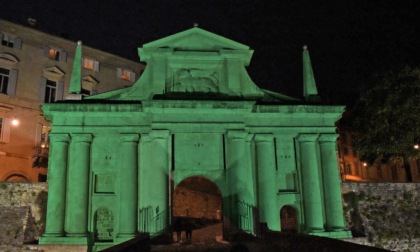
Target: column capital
(307,137)
(263,138)
(328,138)
(81,137)
(59,137)
(129,137)
(237,134)
(156,134)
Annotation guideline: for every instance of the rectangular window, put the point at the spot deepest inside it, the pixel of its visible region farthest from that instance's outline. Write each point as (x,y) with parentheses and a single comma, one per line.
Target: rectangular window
(418,166)
(4,129)
(345,151)
(11,41)
(357,168)
(4,80)
(45,141)
(7,41)
(348,168)
(126,74)
(50,91)
(90,64)
(85,92)
(54,54)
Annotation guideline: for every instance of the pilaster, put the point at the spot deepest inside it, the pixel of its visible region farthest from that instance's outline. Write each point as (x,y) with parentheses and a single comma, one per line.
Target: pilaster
(57,170)
(154,207)
(332,189)
(78,188)
(311,183)
(128,186)
(266,169)
(240,177)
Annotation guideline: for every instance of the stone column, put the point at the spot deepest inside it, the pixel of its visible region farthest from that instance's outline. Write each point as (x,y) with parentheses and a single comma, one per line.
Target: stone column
(240,179)
(78,186)
(312,200)
(57,170)
(128,186)
(266,167)
(332,188)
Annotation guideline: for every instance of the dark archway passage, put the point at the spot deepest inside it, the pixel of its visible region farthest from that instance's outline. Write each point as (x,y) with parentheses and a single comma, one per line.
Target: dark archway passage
(197,201)
(197,197)
(288,219)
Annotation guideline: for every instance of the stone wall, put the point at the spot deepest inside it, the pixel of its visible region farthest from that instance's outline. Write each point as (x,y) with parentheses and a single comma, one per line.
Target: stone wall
(22,212)
(387,214)
(379,214)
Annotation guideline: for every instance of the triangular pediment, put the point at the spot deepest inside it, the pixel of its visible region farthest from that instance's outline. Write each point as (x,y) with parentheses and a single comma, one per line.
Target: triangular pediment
(8,59)
(90,79)
(196,39)
(53,73)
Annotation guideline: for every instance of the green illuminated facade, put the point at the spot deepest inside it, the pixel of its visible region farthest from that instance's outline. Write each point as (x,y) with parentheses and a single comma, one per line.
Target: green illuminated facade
(193,112)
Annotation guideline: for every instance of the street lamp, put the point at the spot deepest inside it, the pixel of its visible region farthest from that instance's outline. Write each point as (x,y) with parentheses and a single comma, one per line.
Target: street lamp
(15,122)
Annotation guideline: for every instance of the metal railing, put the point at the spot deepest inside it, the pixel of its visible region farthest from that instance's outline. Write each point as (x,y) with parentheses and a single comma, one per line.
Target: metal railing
(245,217)
(152,221)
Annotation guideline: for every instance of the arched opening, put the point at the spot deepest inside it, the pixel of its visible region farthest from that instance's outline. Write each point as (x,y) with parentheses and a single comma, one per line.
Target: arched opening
(197,205)
(288,219)
(18,178)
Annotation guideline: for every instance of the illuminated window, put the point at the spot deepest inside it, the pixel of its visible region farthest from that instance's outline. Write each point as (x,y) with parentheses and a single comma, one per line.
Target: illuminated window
(126,74)
(54,54)
(90,64)
(45,141)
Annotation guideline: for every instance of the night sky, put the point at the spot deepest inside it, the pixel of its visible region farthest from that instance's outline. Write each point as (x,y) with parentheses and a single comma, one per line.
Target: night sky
(349,41)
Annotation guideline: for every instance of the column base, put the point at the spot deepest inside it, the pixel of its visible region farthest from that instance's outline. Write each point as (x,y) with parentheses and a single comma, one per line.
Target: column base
(333,234)
(63,240)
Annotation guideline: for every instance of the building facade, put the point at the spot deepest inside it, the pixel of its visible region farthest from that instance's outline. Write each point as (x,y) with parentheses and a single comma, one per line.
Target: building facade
(116,158)
(354,169)
(35,68)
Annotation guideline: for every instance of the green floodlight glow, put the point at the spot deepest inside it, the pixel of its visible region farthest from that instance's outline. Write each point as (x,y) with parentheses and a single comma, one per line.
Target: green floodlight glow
(114,164)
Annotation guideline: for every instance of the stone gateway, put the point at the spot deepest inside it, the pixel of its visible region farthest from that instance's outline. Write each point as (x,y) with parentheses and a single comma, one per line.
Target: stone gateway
(117,158)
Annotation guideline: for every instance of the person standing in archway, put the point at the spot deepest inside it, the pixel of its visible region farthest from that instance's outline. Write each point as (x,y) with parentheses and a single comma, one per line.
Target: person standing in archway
(188,230)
